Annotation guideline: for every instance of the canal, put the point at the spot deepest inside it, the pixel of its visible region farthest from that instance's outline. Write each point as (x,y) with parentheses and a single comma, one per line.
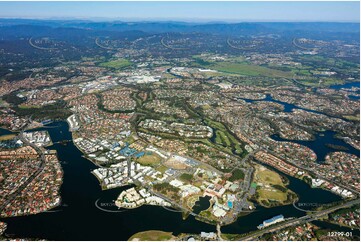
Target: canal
(321,144)
(79,218)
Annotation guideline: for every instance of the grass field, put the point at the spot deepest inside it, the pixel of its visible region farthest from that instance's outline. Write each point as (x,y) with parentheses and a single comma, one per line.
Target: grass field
(186,177)
(152,235)
(7,137)
(231,237)
(266,192)
(243,68)
(266,176)
(116,64)
(223,137)
(162,168)
(239,66)
(149,160)
(277,195)
(316,82)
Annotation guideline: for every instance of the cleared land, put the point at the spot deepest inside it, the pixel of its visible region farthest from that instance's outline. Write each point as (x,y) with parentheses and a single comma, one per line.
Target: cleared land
(120,63)
(175,164)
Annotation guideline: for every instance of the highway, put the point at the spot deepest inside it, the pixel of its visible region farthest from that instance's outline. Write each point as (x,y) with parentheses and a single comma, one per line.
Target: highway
(301,220)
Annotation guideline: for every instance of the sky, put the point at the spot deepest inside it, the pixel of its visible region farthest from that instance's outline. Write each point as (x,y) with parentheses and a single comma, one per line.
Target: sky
(186,11)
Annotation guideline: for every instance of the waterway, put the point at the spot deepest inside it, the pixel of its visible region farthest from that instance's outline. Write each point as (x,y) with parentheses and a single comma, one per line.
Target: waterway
(306,195)
(336,228)
(288,107)
(78,218)
(346,85)
(319,144)
(5,132)
(202,204)
(321,139)
(353,97)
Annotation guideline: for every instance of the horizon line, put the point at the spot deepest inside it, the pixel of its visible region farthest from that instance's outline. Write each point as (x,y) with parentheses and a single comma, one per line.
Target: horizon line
(184,20)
